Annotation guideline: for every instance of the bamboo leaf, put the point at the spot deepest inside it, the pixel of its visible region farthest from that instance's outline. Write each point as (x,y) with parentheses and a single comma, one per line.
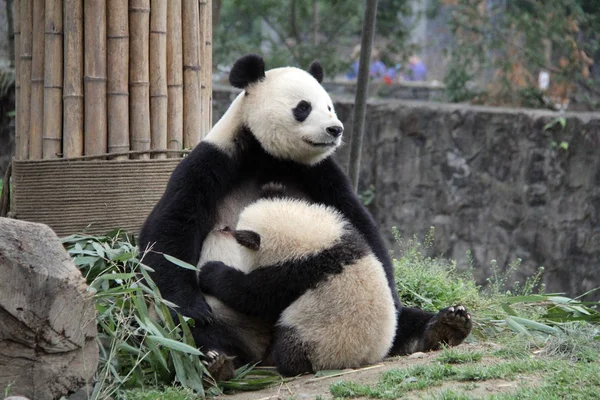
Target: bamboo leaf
(536,325)
(175,345)
(179,263)
(516,326)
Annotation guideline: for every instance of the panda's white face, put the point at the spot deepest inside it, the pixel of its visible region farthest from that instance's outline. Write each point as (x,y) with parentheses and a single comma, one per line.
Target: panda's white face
(292,116)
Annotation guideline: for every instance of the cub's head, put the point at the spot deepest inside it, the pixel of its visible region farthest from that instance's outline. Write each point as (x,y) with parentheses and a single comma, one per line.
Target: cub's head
(288,110)
(283,229)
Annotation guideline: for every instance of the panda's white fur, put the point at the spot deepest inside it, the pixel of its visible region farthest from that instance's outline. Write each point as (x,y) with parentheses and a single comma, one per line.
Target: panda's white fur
(265,108)
(348,320)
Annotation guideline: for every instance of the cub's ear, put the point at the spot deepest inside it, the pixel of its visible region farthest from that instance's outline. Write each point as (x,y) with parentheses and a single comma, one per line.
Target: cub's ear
(316,70)
(246,70)
(249,239)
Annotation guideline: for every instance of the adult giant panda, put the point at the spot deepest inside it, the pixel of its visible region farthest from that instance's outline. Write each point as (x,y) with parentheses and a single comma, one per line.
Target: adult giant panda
(345,321)
(281,128)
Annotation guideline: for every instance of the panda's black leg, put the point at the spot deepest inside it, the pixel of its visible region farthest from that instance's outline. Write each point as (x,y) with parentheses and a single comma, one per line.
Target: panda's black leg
(420,330)
(223,351)
(289,353)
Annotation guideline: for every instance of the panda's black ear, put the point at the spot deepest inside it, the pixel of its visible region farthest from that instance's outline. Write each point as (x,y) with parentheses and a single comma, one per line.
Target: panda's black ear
(316,70)
(246,70)
(249,239)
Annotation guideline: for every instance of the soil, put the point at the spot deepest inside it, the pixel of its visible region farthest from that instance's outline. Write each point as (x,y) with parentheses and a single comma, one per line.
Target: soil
(309,386)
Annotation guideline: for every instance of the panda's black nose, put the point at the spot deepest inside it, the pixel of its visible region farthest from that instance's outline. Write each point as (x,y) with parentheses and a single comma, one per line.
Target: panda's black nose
(335,131)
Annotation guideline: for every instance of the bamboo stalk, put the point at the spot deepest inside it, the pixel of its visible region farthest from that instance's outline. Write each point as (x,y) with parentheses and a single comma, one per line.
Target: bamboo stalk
(53,79)
(139,101)
(17,36)
(158,76)
(118,77)
(94,78)
(37,82)
(26,29)
(174,78)
(205,35)
(73,79)
(191,73)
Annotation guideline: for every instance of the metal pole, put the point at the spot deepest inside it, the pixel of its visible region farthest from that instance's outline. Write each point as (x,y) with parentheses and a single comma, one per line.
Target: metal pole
(362,87)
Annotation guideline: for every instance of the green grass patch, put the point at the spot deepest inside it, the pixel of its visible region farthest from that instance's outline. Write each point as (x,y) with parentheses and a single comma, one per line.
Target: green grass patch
(396,383)
(454,355)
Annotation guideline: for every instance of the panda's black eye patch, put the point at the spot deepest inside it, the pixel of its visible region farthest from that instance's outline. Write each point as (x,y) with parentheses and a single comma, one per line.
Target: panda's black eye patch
(302,110)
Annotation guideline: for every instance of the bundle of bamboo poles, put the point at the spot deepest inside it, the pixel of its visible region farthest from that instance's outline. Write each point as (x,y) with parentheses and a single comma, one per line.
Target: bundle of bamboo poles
(113,79)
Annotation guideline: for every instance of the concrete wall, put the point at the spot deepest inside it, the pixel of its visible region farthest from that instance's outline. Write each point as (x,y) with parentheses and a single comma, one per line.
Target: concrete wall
(489,180)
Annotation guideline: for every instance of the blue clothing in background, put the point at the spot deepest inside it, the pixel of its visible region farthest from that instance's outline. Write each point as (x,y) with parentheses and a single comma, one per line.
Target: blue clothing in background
(376,70)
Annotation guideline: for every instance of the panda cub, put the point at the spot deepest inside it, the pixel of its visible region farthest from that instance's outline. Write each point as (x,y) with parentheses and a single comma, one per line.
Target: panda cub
(346,320)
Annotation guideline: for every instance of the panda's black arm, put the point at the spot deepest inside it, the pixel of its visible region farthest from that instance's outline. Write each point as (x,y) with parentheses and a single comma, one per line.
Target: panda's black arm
(267,291)
(326,183)
(180,221)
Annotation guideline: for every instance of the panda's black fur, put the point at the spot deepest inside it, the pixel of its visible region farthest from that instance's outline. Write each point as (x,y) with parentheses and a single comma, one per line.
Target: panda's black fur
(225,161)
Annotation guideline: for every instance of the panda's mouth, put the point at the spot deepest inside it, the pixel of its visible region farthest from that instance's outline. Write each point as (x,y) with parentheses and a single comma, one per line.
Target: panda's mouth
(320,144)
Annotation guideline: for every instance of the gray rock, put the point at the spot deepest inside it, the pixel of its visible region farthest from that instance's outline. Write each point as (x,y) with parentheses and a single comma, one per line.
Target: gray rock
(48,330)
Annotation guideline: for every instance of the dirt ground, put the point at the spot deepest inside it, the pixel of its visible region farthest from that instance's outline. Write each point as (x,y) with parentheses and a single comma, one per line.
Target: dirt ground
(309,387)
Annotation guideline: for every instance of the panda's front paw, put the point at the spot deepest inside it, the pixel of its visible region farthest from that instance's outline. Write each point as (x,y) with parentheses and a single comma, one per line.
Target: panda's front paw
(449,326)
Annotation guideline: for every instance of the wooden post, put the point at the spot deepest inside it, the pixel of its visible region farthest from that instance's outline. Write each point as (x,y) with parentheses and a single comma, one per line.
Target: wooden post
(205,34)
(174,78)
(118,77)
(94,79)
(24,110)
(191,73)
(362,88)
(73,79)
(37,83)
(53,79)
(17,33)
(139,104)
(158,76)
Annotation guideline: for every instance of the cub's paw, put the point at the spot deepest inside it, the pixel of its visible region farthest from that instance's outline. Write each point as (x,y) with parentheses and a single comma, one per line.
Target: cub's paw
(219,365)
(449,326)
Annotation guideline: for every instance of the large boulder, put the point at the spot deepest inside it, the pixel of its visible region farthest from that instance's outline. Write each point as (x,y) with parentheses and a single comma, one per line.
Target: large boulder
(48,345)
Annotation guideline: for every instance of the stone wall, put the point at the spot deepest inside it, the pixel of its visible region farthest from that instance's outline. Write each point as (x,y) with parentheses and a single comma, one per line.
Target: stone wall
(491,181)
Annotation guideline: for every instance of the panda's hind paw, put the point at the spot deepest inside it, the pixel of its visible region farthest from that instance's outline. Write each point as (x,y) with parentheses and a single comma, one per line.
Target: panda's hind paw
(219,365)
(449,326)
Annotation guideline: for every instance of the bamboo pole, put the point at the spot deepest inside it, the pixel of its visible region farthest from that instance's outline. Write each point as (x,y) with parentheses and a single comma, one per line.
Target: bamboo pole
(205,34)
(94,78)
(118,77)
(139,100)
(53,79)
(73,79)
(37,82)
(174,78)
(158,76)
(17,35)
(24,111)
(191,73)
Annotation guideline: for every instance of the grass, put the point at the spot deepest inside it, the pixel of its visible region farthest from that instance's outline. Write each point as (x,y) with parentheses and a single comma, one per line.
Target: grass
(147,351)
